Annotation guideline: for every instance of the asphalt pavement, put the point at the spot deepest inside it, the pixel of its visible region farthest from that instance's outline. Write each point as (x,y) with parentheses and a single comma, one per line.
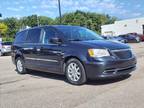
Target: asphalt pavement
(45,90)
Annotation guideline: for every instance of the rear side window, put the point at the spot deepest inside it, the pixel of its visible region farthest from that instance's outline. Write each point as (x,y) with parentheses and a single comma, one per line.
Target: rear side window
(34,36)
(21,37)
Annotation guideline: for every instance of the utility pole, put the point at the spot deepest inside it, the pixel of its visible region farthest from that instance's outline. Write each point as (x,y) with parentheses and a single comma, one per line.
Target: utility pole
(59,4)
(0,32)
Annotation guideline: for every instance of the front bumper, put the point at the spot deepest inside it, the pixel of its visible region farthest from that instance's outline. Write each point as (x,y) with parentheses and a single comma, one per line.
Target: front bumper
(109,68)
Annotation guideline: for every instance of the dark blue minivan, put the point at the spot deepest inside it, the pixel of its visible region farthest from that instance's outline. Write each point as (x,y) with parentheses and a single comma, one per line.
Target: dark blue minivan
(74,51)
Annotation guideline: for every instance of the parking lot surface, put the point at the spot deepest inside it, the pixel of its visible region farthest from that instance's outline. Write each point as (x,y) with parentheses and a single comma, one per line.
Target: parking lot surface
(44,90)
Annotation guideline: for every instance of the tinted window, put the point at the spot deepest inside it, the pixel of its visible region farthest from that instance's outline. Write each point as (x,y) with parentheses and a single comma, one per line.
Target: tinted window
(49,33)
(79,33)
(21,37)
(33,35)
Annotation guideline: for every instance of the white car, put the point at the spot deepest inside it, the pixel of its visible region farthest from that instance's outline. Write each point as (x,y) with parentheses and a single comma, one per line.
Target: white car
(5,48)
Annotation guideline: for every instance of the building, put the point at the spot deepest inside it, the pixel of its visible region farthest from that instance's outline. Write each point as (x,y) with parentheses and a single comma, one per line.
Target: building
(123,27)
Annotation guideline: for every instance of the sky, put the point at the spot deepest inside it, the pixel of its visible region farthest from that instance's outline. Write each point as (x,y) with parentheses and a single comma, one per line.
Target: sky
(123,9)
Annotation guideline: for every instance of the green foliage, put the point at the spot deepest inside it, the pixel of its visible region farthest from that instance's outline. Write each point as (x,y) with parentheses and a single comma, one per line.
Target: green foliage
(35,20)
(13,26)
(3,29)
(90,20)
(5,39)
(43,20)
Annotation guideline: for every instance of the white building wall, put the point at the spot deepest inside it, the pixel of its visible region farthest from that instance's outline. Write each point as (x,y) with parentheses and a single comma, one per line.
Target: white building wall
(124,27)
(108,29)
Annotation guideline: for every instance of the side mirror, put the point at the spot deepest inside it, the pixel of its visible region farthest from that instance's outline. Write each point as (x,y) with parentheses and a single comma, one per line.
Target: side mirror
(56,40)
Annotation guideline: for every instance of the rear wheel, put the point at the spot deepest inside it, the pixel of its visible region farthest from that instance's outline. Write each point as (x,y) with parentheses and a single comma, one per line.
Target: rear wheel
(20,66)
(137,39)
(75,72)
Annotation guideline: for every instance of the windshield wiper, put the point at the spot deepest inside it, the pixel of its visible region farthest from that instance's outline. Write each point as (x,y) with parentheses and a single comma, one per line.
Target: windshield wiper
(75,40)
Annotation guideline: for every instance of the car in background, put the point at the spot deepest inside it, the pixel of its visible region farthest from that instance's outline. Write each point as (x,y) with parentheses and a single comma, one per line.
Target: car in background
(130,38)
(141,36)
(5,48)
(115,38)
(119,39)
(104,37)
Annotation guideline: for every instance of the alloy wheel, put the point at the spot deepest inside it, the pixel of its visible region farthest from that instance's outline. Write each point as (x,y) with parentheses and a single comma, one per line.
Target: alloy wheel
(74,72)
(19,66)
(0,53)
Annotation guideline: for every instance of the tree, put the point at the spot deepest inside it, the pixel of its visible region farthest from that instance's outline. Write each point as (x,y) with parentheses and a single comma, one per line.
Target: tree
(3,29)
(90,20)
(13,26)
(43,20)
(33,20)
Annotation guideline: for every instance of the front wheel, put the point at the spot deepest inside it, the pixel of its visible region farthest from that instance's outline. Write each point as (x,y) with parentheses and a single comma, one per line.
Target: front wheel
(1,53)
(75,72)
(20,66)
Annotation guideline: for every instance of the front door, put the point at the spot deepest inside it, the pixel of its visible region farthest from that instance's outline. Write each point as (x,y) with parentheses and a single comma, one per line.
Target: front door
(49,55)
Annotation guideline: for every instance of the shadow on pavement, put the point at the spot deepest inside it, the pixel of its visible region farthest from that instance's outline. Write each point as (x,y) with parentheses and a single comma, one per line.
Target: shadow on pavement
(108,81)
(38,74)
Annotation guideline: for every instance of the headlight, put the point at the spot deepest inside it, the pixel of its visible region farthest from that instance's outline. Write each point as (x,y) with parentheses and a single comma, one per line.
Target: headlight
(98,52)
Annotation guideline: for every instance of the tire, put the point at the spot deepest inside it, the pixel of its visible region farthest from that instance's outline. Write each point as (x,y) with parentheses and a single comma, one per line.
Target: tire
(75,72)
(20,66)
(1,53)
(137,39)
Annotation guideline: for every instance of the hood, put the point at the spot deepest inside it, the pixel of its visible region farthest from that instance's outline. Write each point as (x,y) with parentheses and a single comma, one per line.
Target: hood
(111,45)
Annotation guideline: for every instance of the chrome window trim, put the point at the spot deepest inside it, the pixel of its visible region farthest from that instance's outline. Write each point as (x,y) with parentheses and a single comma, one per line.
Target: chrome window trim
(39,44)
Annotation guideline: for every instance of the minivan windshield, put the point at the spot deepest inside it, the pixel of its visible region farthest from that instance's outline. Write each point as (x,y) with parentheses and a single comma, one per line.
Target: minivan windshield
(75,33)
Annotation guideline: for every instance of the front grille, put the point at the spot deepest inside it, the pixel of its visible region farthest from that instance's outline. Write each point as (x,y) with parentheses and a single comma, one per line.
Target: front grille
(119,70)
(122,54)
